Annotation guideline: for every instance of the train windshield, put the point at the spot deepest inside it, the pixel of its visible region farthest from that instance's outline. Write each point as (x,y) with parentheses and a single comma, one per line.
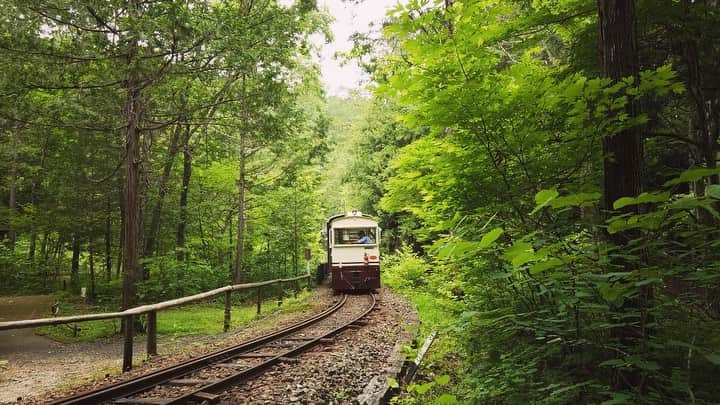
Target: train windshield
(355,236)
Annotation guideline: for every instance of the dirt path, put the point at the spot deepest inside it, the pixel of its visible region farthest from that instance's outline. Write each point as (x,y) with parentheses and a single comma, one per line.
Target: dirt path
(23,340)
(24,351)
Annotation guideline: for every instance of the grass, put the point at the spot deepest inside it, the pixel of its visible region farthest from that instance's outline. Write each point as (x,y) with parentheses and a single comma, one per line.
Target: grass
(199,319)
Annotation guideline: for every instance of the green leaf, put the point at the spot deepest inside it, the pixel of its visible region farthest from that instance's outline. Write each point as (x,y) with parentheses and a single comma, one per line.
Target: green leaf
(446,399)
(542,266)
(443,379)
(392,383)
(575,200)
(490,237)
(543,198)
(421,388)
(643,198)
(686,203)
(522,258)
(516,249)
(713,191)
(613,363)
(612,292)
(692,175)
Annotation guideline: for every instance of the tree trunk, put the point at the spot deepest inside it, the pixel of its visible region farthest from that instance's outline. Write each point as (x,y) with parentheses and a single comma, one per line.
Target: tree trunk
(295,244)
(108,244)
(132,201)
(121,237)
(91,293)
(34,196)
(12,200)
(151,239)
(240,248)
(44,249)
(231,263)
(623,154)
(33,246)
(187,173)
(619,59)
(75,267)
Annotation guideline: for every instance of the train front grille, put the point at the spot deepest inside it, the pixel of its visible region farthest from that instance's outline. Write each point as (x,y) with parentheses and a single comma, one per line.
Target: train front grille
(355,277)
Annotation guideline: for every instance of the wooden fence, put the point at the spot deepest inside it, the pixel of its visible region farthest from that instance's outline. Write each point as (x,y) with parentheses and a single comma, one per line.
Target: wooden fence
(128,316)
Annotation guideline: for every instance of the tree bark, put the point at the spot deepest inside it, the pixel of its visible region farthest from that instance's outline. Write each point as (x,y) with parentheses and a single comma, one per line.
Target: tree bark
(121,237)
(132,227)
(133,219)
(12,199)
(240,248)
(91,262)
(44,248)
(35,198)
(187,173)
(108,244)
(75,266)
(623,159)
(619,59)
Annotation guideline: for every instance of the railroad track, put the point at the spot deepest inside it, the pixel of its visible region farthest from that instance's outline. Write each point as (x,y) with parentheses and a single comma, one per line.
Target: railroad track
(199,380)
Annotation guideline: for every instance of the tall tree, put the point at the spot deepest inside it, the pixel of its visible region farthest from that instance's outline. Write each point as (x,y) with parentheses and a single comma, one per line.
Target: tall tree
(623,152)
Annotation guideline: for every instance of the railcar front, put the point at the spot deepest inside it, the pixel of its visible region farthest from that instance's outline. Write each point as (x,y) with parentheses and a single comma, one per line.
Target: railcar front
(353,246)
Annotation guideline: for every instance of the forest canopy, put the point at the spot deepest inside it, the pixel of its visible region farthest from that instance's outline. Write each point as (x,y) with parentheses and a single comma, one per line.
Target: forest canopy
(157,145)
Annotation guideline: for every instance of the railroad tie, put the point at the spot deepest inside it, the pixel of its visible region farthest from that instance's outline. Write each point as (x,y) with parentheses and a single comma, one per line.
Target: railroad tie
(230,365)
(142,401)
(206,397)
(192,381)
(289,360)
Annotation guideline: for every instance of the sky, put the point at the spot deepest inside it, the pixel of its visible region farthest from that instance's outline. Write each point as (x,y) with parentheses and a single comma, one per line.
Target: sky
(349,18)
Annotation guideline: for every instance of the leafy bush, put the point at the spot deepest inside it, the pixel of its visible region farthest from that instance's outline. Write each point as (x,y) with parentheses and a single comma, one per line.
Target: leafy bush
(171,279)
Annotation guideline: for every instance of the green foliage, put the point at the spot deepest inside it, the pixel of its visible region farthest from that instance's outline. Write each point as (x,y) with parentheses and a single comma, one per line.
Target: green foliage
(202,74)
(553,298)
(172,279)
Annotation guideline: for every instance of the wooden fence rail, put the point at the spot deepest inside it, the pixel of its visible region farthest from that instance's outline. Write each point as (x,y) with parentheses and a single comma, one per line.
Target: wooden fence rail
(129,315)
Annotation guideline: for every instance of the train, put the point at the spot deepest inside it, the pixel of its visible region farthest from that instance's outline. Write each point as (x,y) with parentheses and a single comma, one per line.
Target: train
(352,243)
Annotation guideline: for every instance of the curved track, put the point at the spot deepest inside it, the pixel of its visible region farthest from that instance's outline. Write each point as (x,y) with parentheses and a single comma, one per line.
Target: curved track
(197,380)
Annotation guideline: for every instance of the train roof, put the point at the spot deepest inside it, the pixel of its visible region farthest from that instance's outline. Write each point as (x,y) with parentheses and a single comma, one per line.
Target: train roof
(351,214)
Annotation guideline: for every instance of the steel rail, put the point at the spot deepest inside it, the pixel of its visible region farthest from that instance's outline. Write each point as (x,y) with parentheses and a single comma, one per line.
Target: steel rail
(250,372)
(150,380)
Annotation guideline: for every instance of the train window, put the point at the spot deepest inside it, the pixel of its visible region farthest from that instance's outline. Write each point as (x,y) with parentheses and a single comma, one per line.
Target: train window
(355,236)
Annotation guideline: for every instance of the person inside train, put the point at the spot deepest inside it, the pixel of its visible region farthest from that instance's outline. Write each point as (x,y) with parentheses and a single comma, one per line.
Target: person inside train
(363,238)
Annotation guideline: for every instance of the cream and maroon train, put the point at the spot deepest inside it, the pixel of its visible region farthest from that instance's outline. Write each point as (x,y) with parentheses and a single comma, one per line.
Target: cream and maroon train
(352,241)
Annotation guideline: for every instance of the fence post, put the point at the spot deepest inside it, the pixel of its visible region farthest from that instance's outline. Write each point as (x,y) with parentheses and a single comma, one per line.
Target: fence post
(280,294)
(128,343)
(226,324)
(296,285)
(259,299)
(309,279)
(152,334)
